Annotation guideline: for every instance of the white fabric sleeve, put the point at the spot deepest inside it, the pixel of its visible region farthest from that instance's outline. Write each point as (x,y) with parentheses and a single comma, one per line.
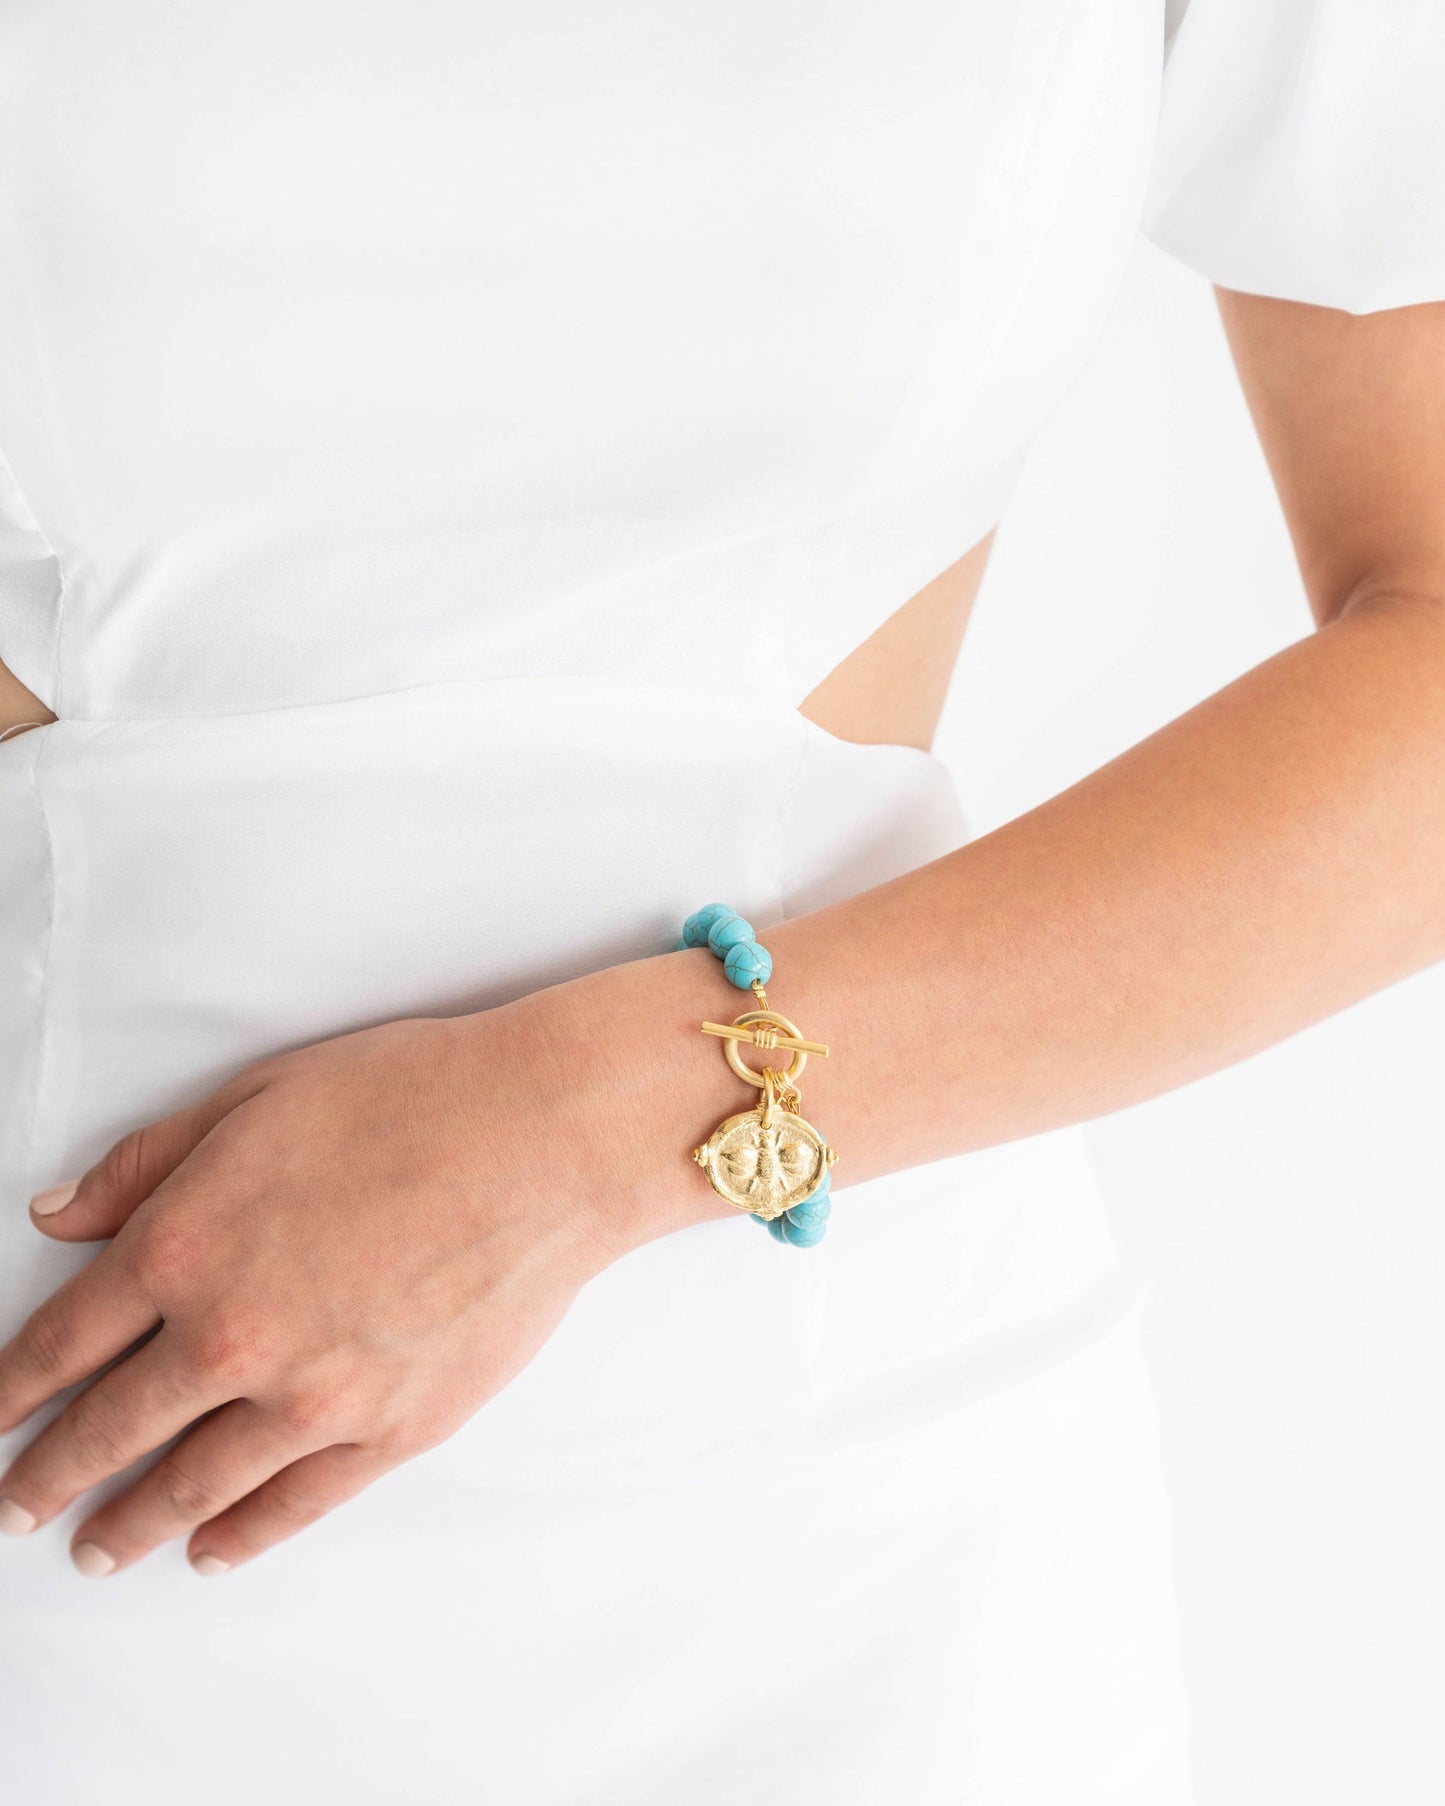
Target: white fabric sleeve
(1301,149)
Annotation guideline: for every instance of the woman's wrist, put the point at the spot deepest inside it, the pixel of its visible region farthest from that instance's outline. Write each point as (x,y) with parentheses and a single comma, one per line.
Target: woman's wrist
(626,1086)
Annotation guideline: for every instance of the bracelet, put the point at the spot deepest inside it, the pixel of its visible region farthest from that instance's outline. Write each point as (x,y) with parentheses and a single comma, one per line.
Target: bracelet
(767,1161)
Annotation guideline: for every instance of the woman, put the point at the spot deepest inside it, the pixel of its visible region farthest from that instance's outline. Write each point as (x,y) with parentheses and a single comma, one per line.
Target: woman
(481,484)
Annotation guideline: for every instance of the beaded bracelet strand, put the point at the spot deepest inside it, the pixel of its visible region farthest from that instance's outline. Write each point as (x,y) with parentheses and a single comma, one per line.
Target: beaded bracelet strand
(767,1161)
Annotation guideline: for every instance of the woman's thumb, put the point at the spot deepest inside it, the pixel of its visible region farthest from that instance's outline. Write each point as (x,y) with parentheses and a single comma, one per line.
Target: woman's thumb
(102,1198)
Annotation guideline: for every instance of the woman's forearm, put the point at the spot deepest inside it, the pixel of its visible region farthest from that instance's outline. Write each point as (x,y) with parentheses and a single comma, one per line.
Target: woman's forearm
(1266,859)
(364,1240)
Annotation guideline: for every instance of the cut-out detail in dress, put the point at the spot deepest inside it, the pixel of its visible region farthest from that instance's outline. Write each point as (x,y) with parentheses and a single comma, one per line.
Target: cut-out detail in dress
(20,708)
(890,689)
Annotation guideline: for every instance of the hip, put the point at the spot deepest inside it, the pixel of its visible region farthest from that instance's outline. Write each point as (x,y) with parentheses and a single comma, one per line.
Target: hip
(185,895)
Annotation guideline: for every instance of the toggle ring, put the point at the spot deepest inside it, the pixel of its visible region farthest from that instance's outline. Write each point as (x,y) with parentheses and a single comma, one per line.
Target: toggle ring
(788,1073)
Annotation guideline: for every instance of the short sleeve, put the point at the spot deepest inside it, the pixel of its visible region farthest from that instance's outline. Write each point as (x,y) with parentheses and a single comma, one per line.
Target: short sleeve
(1301,149)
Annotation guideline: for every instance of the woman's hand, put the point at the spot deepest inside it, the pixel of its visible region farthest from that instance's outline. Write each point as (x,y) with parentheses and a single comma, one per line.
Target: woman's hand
(334,1260)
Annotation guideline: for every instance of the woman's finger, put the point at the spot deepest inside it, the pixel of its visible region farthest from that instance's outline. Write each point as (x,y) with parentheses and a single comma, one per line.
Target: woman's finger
(89,1320)
(138,1405)
(105,1195)
(234,1451)
(288,1502)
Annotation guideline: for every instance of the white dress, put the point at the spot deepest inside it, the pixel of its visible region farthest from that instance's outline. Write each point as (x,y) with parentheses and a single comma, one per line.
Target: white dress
(442,445)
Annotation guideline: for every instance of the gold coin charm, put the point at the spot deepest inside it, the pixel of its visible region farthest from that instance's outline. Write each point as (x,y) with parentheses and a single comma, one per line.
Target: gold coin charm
(765,1159)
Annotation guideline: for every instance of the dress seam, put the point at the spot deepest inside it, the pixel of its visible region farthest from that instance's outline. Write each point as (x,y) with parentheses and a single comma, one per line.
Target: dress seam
(42,1007)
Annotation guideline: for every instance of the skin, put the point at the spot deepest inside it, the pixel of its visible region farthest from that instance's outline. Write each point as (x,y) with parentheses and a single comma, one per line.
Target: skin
(17,704)
(341,1282)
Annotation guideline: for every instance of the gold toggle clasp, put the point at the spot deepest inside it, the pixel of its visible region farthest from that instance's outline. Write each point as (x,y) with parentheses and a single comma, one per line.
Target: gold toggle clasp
(759,1028)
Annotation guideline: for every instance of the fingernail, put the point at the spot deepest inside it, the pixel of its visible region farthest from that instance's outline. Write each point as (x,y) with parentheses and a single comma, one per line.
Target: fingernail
(15,1520)
(92,1560)
(55,1197)
(209,1565)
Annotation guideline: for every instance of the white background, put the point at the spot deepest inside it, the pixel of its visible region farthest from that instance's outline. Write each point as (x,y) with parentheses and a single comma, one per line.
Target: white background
(1288,1213)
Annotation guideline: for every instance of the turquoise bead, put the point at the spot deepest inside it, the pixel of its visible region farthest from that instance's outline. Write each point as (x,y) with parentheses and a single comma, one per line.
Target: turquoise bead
(775,1227)
(694,929)
(816,1209)
(747,961)
(683,946)
(802,1235)
(726,932)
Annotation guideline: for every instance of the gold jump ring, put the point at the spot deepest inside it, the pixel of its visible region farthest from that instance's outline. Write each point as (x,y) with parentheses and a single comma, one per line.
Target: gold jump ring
(731,1048)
